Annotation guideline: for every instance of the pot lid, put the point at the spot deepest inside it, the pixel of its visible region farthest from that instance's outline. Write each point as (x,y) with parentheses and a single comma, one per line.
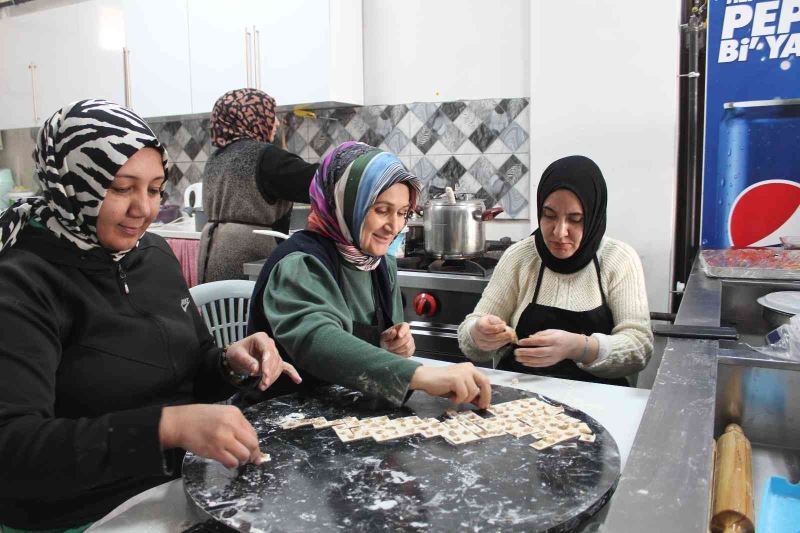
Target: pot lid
(477,202)
(786,302)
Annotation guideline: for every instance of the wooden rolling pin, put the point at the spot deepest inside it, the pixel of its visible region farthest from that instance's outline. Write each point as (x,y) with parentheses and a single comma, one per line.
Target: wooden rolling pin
(732,509)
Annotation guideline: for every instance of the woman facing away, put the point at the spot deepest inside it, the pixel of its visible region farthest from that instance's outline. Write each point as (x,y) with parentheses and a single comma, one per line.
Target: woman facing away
(248,183)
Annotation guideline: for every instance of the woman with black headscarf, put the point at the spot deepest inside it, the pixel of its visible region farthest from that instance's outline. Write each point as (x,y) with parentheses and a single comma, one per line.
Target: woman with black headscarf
(248,183)
(566,302)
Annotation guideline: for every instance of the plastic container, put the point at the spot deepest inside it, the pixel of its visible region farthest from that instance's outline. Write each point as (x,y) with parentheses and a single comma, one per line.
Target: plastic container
(398,246)
(6,186)
(780,506)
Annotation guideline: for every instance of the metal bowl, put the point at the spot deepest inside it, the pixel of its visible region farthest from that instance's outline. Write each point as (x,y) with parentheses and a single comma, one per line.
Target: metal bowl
(777,308)
(775,318)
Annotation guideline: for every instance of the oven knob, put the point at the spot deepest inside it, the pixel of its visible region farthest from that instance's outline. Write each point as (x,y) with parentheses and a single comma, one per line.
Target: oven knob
(424,304)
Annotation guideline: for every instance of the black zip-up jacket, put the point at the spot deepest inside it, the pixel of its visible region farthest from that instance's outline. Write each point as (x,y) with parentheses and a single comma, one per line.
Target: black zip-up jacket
(90,351)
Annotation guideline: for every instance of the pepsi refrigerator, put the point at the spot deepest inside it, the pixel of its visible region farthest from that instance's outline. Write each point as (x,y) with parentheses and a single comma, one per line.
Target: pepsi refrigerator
(751,174)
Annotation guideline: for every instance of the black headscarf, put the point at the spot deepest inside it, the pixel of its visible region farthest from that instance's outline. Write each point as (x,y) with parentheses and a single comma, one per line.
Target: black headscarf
(582,176)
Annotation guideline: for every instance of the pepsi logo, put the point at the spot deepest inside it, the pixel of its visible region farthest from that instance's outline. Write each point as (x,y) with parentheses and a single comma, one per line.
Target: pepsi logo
(764,212)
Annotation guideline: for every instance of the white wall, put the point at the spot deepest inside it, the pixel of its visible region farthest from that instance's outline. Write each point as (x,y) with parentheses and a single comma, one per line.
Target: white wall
(441,50)
(601,75)
(603,84)
(444,50)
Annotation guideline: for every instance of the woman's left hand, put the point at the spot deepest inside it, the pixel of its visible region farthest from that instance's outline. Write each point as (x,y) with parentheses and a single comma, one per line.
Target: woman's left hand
(399,340)
(548,347)
(257,355)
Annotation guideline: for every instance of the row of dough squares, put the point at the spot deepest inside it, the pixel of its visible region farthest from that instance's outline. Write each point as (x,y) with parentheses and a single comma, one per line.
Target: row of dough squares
(546,423)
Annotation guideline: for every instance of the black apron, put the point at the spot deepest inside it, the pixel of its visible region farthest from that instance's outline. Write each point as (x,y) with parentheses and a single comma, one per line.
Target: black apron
(371,333)
(537,317)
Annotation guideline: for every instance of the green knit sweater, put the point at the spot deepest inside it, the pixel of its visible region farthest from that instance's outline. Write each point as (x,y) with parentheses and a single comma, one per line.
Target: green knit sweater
(313,320)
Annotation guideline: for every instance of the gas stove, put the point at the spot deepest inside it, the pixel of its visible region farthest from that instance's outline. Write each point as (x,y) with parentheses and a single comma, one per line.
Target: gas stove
(438,294)
(477,266)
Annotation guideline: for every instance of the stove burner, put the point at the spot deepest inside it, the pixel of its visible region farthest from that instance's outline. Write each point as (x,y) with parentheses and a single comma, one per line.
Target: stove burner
(458,266)
(413,262)
(482,265)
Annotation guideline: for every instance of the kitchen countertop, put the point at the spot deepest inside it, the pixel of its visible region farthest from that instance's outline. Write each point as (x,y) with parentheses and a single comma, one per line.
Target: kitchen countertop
(183,228)
(666,485)
(618,409)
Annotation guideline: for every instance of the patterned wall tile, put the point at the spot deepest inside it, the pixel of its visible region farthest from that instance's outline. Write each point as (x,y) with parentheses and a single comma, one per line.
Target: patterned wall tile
(476,146)
(180,175)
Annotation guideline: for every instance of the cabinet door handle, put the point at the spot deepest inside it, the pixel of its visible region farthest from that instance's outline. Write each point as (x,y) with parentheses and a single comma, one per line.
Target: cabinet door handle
(257,62)
(247,56)
(32,69)
(126,70)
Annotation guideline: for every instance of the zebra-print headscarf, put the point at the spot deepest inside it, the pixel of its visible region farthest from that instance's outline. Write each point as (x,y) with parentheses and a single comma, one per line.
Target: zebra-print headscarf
(78,152)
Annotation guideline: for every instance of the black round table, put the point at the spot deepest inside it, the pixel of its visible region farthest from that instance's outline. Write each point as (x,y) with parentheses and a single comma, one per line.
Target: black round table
(315,482)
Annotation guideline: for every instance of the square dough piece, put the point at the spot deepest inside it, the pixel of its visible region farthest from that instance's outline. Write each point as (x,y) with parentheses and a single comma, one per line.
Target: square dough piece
(518,428)
(513,334)
(344,434)
(296,423)
(361,432)
(455,437)
(553,409)
(472,416)
(376,421)
(385,433)
(350,422)
(553,439)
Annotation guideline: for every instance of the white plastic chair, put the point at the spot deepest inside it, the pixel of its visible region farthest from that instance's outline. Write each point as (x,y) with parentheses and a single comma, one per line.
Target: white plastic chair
(225,307)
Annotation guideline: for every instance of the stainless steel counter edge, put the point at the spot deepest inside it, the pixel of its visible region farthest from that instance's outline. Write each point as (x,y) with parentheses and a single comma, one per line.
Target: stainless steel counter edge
(442,281)
(666,483)
(411,279)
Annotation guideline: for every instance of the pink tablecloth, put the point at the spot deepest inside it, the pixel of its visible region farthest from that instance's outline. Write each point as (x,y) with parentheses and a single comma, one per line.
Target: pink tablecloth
(186,251)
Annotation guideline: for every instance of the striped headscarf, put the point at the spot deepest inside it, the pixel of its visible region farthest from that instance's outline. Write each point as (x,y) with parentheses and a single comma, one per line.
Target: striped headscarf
(242,114)
(344,188)
(78,152)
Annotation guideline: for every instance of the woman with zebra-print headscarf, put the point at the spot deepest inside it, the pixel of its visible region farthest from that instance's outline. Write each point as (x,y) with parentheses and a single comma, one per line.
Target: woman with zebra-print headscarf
(105,364)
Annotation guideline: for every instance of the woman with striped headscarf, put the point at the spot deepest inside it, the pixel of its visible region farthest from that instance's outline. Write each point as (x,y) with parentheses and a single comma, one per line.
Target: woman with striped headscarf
(249,184)
(104,359)
(329,295)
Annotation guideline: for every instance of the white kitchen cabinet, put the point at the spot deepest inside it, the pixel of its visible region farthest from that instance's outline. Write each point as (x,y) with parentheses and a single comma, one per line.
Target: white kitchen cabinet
(77,53)
(217,48)
(302,51)
(16,95)
(183,54)
(157,38)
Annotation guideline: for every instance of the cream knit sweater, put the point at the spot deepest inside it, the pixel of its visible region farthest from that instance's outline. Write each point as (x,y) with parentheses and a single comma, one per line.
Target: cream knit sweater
(511,288)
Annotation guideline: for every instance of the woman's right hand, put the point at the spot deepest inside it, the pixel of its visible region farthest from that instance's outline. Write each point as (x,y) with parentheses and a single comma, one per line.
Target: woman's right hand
(460,383)
(490,333)
(219,432)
